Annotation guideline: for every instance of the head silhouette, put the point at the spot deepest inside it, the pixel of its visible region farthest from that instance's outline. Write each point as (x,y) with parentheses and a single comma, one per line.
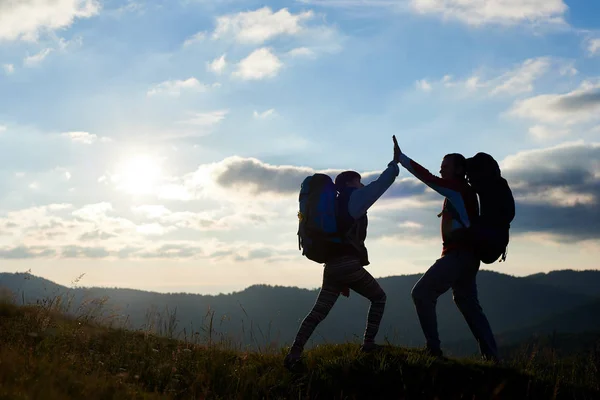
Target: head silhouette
(348,179)
(453,166)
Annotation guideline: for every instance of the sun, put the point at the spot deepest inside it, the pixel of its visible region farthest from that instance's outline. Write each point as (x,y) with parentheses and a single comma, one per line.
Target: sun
(139,174)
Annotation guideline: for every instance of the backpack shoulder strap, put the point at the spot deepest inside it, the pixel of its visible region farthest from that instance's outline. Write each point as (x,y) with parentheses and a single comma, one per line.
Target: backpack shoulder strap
(450,208)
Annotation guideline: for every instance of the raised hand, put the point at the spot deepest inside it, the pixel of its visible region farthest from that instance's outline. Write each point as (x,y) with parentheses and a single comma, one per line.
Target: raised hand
(397,150)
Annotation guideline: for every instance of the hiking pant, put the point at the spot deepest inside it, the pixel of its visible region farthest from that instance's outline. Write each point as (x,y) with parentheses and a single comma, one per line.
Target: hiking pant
(345,272)
(456,270)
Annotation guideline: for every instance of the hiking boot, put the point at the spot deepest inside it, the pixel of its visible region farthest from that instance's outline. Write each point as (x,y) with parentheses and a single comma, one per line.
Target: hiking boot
(491,359)
(436,353)
(370,347)
(293,361)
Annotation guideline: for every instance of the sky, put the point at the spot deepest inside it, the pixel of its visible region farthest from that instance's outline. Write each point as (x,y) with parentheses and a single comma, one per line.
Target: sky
(160,145)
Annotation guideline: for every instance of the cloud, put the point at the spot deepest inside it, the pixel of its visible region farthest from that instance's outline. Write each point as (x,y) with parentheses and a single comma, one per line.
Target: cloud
(24,252)
(83,252)
(8,68)
(265,114)
(184,219)
(260,64)
(521,79)
(423,85)
(84,137)
(517,80)
(2,128)
(176,87)
(58,230)
(256,177)
(301,52)
(557,190)
(172,251)
(541,132)
(93,212)
(206,119)
(218,65)
(37,58)
(151,211)
(153,229)
(261,25)
(593,47)
(27,19)
(198,37)
(501,12)
(96,234)
(578,106)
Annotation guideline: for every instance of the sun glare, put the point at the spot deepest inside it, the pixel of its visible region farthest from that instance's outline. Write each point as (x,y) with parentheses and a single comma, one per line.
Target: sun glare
(139,174)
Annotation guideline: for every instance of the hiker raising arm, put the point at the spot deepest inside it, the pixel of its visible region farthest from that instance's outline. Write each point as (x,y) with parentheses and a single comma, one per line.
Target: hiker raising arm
(458,265)
(362,199)
(449,188)
(346,258)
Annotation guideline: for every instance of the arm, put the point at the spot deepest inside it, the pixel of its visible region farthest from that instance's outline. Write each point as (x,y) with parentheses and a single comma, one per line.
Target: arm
(444,187)
(363,198)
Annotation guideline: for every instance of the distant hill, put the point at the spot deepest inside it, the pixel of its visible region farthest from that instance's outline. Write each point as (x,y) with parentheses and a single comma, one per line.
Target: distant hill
(584,318)
(263,314)
(581,282)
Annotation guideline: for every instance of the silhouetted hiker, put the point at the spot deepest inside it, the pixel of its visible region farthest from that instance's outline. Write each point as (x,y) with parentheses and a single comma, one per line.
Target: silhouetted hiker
(458,265)
(332,230)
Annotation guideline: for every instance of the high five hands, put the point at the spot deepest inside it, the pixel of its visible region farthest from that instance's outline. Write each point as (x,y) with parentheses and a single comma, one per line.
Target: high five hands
(397,151)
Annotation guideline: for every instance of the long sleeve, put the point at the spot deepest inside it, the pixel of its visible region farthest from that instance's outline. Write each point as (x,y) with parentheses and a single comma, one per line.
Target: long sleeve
(362,199)
(445,187)
(450,189)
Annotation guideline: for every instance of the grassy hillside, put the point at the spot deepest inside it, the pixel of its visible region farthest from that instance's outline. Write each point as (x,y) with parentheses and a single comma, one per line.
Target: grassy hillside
(46,355)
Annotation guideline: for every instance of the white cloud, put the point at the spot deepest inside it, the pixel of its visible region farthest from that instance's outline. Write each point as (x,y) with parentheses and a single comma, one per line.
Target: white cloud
(206,119)
(90,232)
(423,85)
(503,12)
(93,212)
(37,58)
(26,19)
(541,132)
(517,80)
(175,87)
(593,47)
(64,44)
(152,229)
(256,27)
(301,52)
(8,68)
(218,65)
(265,114)
(260,64)
(521,79)
(558,197)
(578,106)
(151,211)
(85,137)
(2,128)
(195,38)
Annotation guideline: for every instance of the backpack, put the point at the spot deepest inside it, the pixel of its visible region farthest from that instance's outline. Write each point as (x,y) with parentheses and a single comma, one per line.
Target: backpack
(317,222)
(490,231)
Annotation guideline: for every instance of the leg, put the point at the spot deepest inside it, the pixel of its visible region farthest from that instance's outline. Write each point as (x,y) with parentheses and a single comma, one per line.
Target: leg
(435,282)
(363,283)
(466,299)
(327,297)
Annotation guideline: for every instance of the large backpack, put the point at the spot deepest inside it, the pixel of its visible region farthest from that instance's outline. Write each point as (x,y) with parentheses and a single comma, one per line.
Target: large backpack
(496,205)
(317,218)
